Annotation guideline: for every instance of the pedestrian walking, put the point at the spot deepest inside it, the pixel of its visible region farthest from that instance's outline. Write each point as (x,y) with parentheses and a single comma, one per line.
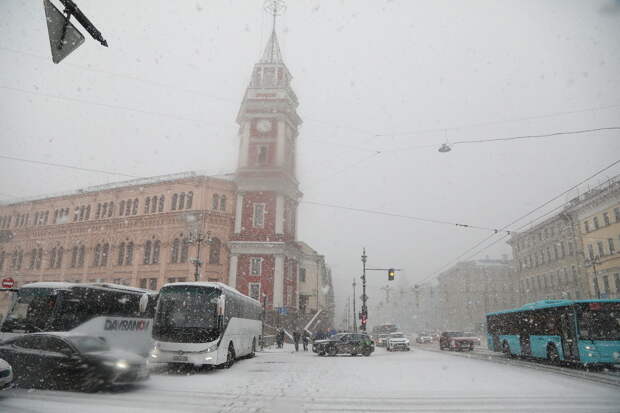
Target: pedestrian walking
(296,337)
(280,338)
(305,338)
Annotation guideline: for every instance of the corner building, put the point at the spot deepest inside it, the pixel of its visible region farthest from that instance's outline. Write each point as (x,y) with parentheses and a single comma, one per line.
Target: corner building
(264,255)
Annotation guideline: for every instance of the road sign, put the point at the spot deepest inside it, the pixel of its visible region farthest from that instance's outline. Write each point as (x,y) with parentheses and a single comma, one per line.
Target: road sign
(64,37)
(282,310)
(8,282)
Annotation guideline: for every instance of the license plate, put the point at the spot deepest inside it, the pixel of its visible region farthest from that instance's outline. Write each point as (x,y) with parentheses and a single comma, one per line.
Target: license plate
(179,358)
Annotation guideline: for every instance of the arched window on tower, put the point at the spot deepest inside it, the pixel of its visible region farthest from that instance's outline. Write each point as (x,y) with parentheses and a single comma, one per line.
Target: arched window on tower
(214,251)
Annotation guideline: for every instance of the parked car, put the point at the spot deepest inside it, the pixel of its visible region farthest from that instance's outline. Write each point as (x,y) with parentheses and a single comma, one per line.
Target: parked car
(397,341)
(455,340)
(424,338)
(473,336)
(6,375)
(345,343)
(66,361)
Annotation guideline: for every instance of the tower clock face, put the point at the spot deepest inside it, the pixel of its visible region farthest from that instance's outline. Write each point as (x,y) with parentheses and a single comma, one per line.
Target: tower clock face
(263,125)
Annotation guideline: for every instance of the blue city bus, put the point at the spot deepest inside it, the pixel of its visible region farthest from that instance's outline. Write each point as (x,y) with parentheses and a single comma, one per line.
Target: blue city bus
(578,331)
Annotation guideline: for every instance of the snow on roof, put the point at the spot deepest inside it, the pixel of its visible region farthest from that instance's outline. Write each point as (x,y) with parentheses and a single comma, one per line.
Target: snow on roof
(212,285)
(550,304)
(103,286)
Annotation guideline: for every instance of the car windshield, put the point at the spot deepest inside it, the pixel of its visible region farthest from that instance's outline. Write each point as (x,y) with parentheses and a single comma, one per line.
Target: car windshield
(86,344)
(241,190)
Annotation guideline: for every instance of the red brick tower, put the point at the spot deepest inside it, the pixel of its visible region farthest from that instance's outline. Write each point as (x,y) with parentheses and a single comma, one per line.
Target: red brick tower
(264,254)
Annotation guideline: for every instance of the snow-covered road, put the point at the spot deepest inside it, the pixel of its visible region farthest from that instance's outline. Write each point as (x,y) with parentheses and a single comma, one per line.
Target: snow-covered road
(282,381)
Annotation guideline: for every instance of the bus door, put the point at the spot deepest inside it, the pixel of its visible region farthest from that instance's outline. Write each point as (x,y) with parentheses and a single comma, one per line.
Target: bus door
(568,333)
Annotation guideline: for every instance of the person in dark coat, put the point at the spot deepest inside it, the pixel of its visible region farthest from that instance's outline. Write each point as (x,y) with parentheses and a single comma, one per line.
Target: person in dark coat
(305,339)
(280,338)
(296,337)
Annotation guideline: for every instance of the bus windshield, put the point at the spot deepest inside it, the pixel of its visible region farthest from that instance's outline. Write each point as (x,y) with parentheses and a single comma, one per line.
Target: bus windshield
(187,313)
(600,321)
(31,311)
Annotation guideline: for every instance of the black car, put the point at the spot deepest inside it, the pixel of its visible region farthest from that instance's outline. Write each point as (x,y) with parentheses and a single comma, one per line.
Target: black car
(345,343)
(65,361)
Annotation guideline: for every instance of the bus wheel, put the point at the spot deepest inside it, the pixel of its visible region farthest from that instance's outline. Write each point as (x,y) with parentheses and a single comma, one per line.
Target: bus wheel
(332,351)
(230,356)
(552,353)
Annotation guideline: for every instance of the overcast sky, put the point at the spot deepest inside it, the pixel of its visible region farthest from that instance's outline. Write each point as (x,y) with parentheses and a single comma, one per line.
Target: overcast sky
(395,77)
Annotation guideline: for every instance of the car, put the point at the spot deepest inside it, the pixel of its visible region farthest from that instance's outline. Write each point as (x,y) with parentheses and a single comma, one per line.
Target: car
(397,341)
(345,343)
(473,336)
(424,338)
(381,340)
(455,340)
(70,361)
(6,375)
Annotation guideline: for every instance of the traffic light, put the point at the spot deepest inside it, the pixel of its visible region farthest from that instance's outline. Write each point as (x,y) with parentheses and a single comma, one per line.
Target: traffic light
(364,319)
(391,273)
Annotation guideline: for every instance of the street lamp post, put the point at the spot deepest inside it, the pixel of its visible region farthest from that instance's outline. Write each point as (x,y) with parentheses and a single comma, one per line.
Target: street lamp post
(364,298)
(594,262)
(198,239)
(354,310)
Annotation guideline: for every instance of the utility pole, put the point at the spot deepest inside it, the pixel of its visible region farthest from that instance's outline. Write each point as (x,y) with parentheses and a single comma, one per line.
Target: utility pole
(354,309)
(262,327)
(595,261)
(364,297)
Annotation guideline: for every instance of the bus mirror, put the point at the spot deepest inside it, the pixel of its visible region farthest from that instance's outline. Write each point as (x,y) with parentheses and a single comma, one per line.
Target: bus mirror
(144,302)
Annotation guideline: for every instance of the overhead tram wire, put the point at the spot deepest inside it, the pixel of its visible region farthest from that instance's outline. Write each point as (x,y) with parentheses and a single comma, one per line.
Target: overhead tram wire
(59,165)
(507,232)
(390,214)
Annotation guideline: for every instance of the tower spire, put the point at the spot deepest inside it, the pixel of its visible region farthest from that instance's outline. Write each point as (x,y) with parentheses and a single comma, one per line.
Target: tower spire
(272,52)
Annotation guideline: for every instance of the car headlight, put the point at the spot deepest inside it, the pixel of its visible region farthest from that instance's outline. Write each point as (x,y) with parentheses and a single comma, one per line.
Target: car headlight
(119,364)
(590,348)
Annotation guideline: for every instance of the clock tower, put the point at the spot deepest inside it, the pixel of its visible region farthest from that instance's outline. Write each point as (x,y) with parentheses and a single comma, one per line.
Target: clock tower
(264,253)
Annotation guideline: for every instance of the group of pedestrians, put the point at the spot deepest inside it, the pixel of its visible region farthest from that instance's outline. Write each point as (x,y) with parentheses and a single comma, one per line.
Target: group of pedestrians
(298,336)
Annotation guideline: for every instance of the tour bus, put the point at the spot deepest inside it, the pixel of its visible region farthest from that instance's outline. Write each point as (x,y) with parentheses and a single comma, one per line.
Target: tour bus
(121,315)
(581,331)
(204,323)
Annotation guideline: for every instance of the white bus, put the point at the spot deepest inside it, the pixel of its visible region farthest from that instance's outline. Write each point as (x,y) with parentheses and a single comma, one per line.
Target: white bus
(204,323)
(121,315)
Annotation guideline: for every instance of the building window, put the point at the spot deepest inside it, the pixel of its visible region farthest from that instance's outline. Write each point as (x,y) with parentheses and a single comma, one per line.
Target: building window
(134,210)
(606,284)
(223,203)
(216,202)
(33,258)
(104,210)
(601,249)
(161,203)
(595,222)
(258,217)
(147,204)
(59,255)
(612,247)
(184,250)
(153,204)
(97,256)
(147,252)
(182,200)
(121,208)
(156,248)
(121,253)
(302,275)
(256,264)
(617,214)
(586,226)
(52,263)
(81,254)
(606,218)
(190,200)
(214,251)
(591,252)
(261,157)
(173,206)
(617,281)
(129,256)
(74,256)
(254,290)
(104,254)
(128,208)
(153,284)
(174,254)
(87,217)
